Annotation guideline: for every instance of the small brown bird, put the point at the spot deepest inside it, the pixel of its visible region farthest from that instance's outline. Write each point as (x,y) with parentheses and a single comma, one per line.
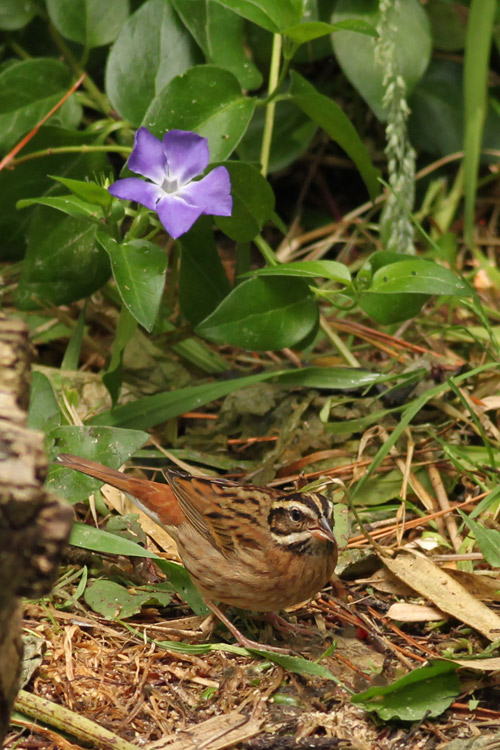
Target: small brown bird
(250,547)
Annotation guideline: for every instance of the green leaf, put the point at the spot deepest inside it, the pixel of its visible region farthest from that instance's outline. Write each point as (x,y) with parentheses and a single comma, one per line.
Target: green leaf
(180,580)
(87,191)
(306,32)
(207,100)
(275,16)
(152,410)
(70,205)
(253,203)
(28,91)
(153,47)
(113,601)
(328,115)
(426,691)
(329,378)
(139,270)
(418,277)
(71,357)
(298,665)
(203,283)
(386,299)
(262,314)
(108,445)
(220,34)
(15,15)
(31,177)
(63,262)
(91,23)
(412,39)
(97,540)
(43,412)
(488,540)
(307,269)
(392,308)
(476,69)
(125,330)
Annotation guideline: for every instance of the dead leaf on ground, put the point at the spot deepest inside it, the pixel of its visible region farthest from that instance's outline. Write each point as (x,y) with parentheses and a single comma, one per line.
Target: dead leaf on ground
(213,734)
(486,588)
(445,592)
(385,581)
(483,665)
(415,613)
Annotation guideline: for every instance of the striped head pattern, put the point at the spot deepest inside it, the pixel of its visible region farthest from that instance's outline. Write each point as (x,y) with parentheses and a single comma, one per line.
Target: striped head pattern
(302,522)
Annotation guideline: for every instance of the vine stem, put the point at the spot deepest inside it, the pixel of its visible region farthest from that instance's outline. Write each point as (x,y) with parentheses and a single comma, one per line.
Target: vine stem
(338,343)
(274,70)
(83,149)
(266,250)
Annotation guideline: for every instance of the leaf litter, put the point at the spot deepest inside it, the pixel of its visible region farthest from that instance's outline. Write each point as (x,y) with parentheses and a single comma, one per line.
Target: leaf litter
(158,671)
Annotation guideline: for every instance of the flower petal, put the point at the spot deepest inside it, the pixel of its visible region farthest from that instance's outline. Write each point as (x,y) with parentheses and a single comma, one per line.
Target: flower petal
(135,189)
(212,193)
(186,154)
(147,157)
(176,215)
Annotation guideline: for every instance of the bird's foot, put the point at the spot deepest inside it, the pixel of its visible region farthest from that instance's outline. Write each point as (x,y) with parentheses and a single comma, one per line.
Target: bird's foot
(284,626)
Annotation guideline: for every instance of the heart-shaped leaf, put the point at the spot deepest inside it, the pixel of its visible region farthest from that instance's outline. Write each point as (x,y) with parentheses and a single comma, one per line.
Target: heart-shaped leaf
(139,270)
(89,22)
(253,203)
(113,601)
(153,47)
(263,314)
(63,263)
(356,52)
(108,445)
(28,91)
(207,100)
(275,16)
(418,277)
(221,35)
(308,269)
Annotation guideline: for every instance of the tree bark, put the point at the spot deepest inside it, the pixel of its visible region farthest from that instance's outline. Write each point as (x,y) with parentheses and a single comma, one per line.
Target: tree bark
(34,525)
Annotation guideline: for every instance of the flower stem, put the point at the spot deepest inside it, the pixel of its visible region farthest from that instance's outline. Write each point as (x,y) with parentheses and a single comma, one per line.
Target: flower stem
(267,251)
(271,105)
(139,222)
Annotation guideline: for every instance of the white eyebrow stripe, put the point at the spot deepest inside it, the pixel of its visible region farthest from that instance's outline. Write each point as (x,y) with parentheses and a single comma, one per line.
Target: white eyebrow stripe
(292,538)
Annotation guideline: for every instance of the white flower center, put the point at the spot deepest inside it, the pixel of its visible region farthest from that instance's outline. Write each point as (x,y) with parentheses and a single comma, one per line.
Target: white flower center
(170,186)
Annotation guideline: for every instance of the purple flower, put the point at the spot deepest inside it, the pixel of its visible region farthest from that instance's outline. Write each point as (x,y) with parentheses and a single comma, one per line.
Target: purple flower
(171,165)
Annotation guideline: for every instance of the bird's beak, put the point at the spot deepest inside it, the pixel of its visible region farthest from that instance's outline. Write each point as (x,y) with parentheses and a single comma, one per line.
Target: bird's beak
(323,531)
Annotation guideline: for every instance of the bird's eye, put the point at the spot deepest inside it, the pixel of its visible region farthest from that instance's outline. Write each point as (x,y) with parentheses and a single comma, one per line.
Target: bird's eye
(296,515)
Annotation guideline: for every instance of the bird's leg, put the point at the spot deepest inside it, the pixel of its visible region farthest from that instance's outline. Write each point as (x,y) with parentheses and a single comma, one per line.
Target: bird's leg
(242,639)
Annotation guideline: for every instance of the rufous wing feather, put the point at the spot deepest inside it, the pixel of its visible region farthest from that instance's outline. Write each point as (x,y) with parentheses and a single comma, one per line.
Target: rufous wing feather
(200,499)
